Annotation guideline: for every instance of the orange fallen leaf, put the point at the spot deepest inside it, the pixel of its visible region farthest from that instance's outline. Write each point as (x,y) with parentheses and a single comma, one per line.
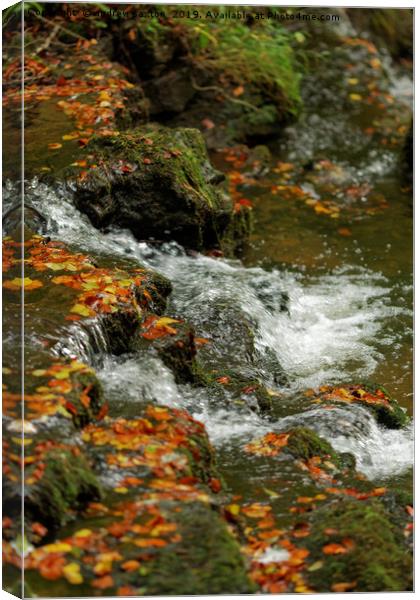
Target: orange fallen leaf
(334,549)
(55,146)
(130,565)
(344,586)
(103,582)
(344,231)
(149,543)
(27,283)
(208,124)
(238,91)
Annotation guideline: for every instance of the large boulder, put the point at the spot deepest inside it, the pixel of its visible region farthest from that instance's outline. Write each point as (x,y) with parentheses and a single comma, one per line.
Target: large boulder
(159,183)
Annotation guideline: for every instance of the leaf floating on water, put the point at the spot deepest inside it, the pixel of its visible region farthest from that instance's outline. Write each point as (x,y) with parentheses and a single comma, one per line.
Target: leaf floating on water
(55,146)
(344,231)
(70,136)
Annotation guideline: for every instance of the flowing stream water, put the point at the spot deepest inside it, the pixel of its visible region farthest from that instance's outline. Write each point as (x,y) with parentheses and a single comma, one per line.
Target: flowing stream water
(347,279)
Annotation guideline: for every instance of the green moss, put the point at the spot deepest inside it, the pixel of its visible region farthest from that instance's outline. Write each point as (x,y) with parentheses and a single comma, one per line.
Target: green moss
(67,484)
(377,559)
(171,191)
(391,415)
(207,562)
(259,55)
(304,444)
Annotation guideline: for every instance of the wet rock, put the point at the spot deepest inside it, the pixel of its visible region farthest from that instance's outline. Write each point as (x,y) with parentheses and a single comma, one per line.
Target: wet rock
(160,184)
(357,544)
(33,219)
(169,93)
(227,359)
(306,446)
(173,341)
(258,162)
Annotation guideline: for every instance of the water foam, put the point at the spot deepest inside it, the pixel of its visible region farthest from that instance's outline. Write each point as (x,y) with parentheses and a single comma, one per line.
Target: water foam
(330,333)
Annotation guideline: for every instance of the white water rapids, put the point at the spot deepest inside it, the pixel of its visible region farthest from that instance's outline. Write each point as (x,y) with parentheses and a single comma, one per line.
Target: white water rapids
(329,334)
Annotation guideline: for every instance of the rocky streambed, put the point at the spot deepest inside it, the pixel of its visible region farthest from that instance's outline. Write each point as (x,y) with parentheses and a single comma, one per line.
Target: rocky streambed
(216,377)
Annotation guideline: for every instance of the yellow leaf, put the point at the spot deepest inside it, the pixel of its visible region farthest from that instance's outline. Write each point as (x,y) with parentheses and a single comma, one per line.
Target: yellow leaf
(57,547)
(355,97)
(24,441)
(121,490)
(39,372)
(352,81)
(72,573)
(26,282)
(81,309)
(165,321)
(63,374)
(315,566)
(82,533)
(70,136)
(234,509)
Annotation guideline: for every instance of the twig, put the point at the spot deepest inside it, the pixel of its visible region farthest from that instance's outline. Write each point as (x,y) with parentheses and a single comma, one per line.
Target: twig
(49,39)
(76,35)
(215,88)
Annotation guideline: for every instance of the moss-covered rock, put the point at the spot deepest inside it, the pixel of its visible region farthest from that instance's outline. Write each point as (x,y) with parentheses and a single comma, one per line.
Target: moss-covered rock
(373,397)
(58,482)
(303,444)
(187,68)
(68,483)
(159,183)
(356,543)
(203,564)
(157,530)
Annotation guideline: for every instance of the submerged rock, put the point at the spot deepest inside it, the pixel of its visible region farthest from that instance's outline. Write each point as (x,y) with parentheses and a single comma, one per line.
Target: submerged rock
(160,184)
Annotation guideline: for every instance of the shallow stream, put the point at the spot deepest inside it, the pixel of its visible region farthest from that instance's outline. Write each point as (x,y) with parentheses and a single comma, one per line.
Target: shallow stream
(341,252)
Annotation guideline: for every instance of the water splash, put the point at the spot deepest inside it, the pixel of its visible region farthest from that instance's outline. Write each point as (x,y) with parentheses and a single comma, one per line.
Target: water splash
(330,332)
